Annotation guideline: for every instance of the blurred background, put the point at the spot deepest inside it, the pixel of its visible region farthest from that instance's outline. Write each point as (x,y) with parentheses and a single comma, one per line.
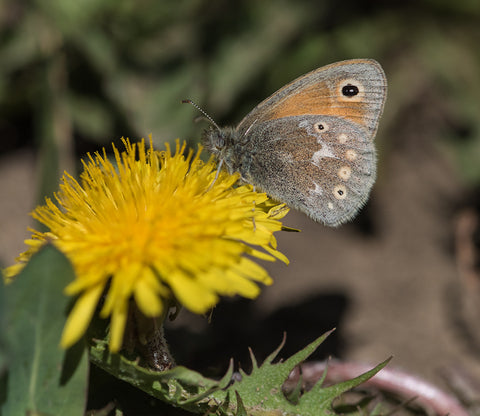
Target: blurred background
(402,279)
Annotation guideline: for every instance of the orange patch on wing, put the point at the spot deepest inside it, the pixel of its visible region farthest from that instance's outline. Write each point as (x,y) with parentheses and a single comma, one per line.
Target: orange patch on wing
(319,99)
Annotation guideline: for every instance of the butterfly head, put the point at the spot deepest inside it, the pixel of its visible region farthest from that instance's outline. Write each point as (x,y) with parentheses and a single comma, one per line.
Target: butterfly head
(220,142)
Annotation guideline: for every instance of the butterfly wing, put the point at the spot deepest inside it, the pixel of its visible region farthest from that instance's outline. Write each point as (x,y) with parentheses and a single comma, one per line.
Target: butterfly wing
(311,143)
(326,175)
(321,92)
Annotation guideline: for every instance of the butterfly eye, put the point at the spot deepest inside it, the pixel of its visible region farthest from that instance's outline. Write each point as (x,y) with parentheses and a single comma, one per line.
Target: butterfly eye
(350,90)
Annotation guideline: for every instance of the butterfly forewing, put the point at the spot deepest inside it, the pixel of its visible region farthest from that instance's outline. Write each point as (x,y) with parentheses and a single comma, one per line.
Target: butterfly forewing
(322,92)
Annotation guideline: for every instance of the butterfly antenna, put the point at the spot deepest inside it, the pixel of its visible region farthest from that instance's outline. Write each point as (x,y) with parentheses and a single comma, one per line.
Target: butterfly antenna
(210,119)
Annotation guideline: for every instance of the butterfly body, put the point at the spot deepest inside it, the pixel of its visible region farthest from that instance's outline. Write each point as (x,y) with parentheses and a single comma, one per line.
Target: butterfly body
(310,144)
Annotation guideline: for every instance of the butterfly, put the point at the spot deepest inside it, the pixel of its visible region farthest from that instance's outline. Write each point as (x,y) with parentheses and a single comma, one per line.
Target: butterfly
(310,144)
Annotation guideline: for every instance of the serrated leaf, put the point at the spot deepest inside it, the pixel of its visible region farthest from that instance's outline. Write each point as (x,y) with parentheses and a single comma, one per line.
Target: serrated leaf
(179,386)
(41,379)
(261,391)
(257,394)
(263,384)
(321,398)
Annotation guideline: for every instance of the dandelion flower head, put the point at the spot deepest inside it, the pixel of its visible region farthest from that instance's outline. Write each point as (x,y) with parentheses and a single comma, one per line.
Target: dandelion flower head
(153,226)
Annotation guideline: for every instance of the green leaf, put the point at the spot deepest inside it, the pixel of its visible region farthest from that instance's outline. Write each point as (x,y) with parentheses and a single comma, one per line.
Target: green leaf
(319,398)
(179,386)
(41,379)
(257,394)
(261,393)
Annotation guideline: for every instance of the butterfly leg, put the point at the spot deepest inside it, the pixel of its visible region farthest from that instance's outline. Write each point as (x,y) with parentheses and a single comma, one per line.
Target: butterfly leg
(216,174)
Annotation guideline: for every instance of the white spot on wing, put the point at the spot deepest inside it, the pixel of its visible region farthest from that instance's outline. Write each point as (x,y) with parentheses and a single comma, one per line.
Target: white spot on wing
(304,124)
(320,154)
(344,172)
(318,189)
(351,154)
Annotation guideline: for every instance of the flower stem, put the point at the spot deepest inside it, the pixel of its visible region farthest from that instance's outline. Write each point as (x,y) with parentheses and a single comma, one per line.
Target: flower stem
(145,335)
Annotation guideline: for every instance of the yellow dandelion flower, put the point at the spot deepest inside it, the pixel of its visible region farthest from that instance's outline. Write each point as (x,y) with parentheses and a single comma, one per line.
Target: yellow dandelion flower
(154,227)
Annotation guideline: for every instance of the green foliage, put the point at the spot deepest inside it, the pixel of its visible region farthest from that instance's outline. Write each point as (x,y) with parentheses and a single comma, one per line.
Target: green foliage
(261,394)
(258,393)
(41,379)
(179,386)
